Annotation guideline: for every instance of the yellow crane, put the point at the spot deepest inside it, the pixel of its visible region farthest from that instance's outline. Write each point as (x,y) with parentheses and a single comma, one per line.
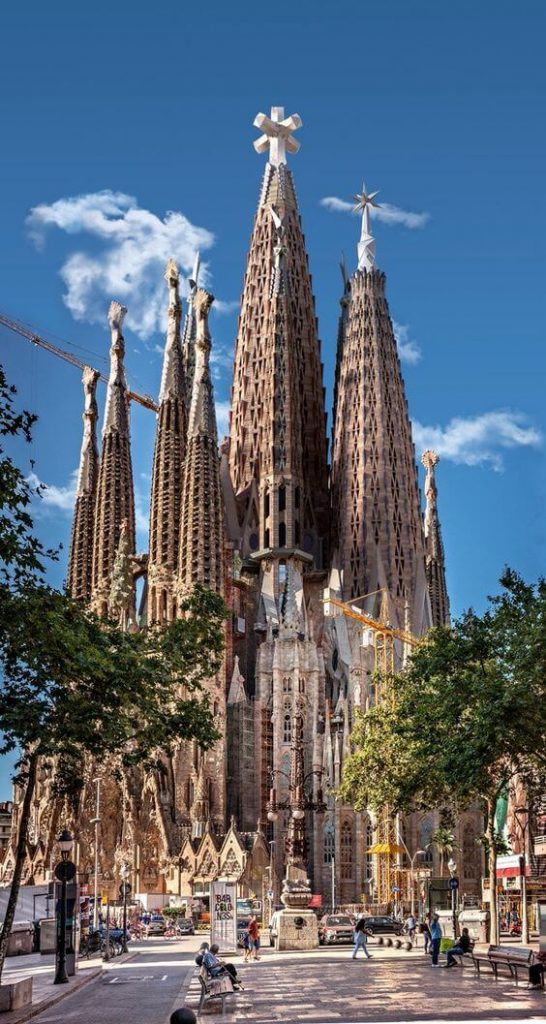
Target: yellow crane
(25,332)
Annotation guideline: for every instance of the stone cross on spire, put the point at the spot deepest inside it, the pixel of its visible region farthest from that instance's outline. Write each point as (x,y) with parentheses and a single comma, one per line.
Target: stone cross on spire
(277,135)
(366,245)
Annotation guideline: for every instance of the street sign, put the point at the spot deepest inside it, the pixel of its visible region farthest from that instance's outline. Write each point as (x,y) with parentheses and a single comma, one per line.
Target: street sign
(453,884)
(270,894)
(395,888)
(125,889)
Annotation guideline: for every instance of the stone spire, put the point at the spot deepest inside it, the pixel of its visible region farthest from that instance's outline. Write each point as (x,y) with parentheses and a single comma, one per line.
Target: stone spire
(189,332)
(170,447)
(202,527)
(434,548)
(115,497)
(278,451)
(81,544)
(376,514)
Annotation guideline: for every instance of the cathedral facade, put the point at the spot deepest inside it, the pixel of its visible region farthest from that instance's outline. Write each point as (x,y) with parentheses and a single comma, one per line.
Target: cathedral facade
(291,537)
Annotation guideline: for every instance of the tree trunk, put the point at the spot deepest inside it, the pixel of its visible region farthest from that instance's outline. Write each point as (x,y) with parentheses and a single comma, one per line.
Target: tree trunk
(19,858)
(492,866)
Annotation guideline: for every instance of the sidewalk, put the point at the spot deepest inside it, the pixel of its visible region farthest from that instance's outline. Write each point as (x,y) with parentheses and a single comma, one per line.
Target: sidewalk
(44,992)
(392,986)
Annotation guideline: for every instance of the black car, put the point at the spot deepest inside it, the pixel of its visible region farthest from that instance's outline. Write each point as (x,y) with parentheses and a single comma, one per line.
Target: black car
(185,926)
(383,926)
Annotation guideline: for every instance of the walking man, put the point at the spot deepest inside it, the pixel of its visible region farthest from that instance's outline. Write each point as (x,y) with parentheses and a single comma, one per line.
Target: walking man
(435,939)
(360,937)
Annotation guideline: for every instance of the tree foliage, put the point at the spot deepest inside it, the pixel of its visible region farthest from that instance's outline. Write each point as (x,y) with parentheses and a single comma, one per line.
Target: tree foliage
(71,684)
(466,718)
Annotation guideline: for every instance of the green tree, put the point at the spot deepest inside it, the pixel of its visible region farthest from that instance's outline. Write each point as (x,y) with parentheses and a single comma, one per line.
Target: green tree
(466,718)
(71,684)
(443,841)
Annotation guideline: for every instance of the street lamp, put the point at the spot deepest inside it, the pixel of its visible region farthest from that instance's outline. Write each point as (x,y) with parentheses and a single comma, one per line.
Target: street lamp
(125,889)
(65,872)
(452,867)
(521,815)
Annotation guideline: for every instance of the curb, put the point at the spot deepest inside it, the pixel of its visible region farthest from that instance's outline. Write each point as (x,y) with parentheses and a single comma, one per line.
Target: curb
(181,995)
(33,1010)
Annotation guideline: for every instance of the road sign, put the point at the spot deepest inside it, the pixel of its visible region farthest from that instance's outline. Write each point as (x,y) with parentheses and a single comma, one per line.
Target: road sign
(125,889)
(65,871)
(395,888)
(453,883)
(270,894)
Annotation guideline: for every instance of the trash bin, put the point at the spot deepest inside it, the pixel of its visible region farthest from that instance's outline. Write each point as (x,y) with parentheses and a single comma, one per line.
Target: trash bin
(48,935)
(21,939)
(477,922)
(446,922)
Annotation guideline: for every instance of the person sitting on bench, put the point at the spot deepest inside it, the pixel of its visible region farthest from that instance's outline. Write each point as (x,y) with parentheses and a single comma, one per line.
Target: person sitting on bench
(462,946)
(216,968)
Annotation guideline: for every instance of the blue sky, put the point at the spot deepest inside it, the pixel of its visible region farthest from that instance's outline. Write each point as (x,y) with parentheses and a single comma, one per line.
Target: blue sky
(439,105)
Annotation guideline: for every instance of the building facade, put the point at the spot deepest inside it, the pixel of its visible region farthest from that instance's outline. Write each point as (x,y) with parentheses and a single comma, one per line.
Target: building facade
(282,535)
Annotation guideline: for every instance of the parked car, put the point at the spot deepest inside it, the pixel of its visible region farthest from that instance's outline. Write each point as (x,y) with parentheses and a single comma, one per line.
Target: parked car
(185,926)
(157,925)
(335,928)
(383,926)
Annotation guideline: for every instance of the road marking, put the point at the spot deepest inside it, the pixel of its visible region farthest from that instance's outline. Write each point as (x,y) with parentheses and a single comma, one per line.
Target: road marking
(126,979)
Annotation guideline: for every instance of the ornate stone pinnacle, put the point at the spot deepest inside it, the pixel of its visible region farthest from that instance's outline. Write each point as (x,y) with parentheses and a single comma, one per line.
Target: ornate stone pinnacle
(202,302)
(116,315)
(277,135)
(429,460)
(171,273)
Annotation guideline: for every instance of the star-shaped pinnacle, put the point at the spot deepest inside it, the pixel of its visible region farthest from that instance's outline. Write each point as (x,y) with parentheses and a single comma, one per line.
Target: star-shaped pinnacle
(364,199)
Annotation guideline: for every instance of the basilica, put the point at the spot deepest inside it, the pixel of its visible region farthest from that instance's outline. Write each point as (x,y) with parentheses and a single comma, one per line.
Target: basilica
(321,547)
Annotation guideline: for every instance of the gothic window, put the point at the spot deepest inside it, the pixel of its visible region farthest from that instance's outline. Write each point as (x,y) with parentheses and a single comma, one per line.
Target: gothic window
(282,573)
(287,684)
(266,539)
(425,832)
(329,843)
(282,498)
(266,504)
(297,498)
(471,852)
(346,851)
(297,533)
(287,728)
(282,535)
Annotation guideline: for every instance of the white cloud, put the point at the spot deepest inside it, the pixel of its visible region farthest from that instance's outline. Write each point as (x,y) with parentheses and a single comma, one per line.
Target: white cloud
(386,212)
(53,497)
(225,307)
(134,245)
(478,440)
(408,349)
(222,418)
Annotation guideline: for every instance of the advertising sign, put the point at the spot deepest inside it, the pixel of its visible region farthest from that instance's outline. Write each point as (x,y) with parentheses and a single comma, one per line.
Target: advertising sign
(223,914)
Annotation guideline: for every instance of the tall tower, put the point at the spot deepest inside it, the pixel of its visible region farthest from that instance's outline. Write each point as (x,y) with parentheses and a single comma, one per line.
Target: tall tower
(189,333)
(377,525)
(201,556)
(170,447)
(278,451)
(115,498)
(81,545)
(434,548)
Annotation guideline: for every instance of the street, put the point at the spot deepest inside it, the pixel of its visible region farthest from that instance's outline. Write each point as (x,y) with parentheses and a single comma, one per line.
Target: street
(142,990)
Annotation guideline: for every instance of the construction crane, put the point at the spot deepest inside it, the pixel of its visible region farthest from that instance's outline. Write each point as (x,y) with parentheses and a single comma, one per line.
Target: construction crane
(69,357)
(386,848)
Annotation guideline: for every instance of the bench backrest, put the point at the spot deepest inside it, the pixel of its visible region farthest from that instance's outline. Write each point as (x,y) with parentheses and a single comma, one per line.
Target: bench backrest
(510,954)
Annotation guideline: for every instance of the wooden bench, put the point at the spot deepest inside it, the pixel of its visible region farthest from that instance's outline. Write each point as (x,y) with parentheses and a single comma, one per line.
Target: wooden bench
(513,958)
(214,988)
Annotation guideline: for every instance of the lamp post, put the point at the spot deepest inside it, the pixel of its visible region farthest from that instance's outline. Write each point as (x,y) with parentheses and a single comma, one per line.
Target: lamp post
(96,822)
(65,872)
(418,853)
(521,815)
(125,888)
(337,726)
(452,867)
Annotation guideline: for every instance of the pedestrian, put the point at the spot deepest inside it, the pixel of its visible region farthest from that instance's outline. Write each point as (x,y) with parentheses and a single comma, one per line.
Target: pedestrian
(425,929)
(254,935)
(183,1016)
(216,967)
(246,945)
(462,945)
(435,939)
(411,925)
(360,936)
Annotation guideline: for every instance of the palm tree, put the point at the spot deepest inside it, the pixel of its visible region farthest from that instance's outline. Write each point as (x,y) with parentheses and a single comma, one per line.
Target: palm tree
(443,840)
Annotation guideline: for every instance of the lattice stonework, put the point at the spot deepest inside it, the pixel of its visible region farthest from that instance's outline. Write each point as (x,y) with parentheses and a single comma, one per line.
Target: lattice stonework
(375,493)
(115,502)
(170,444)
(434,548)
(278,439)
(80,561)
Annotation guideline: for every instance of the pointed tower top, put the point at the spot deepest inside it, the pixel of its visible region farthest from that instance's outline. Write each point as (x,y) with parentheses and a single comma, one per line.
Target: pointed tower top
(277,135)
(172,377)
(434,548)
(116,413)
(366,245)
